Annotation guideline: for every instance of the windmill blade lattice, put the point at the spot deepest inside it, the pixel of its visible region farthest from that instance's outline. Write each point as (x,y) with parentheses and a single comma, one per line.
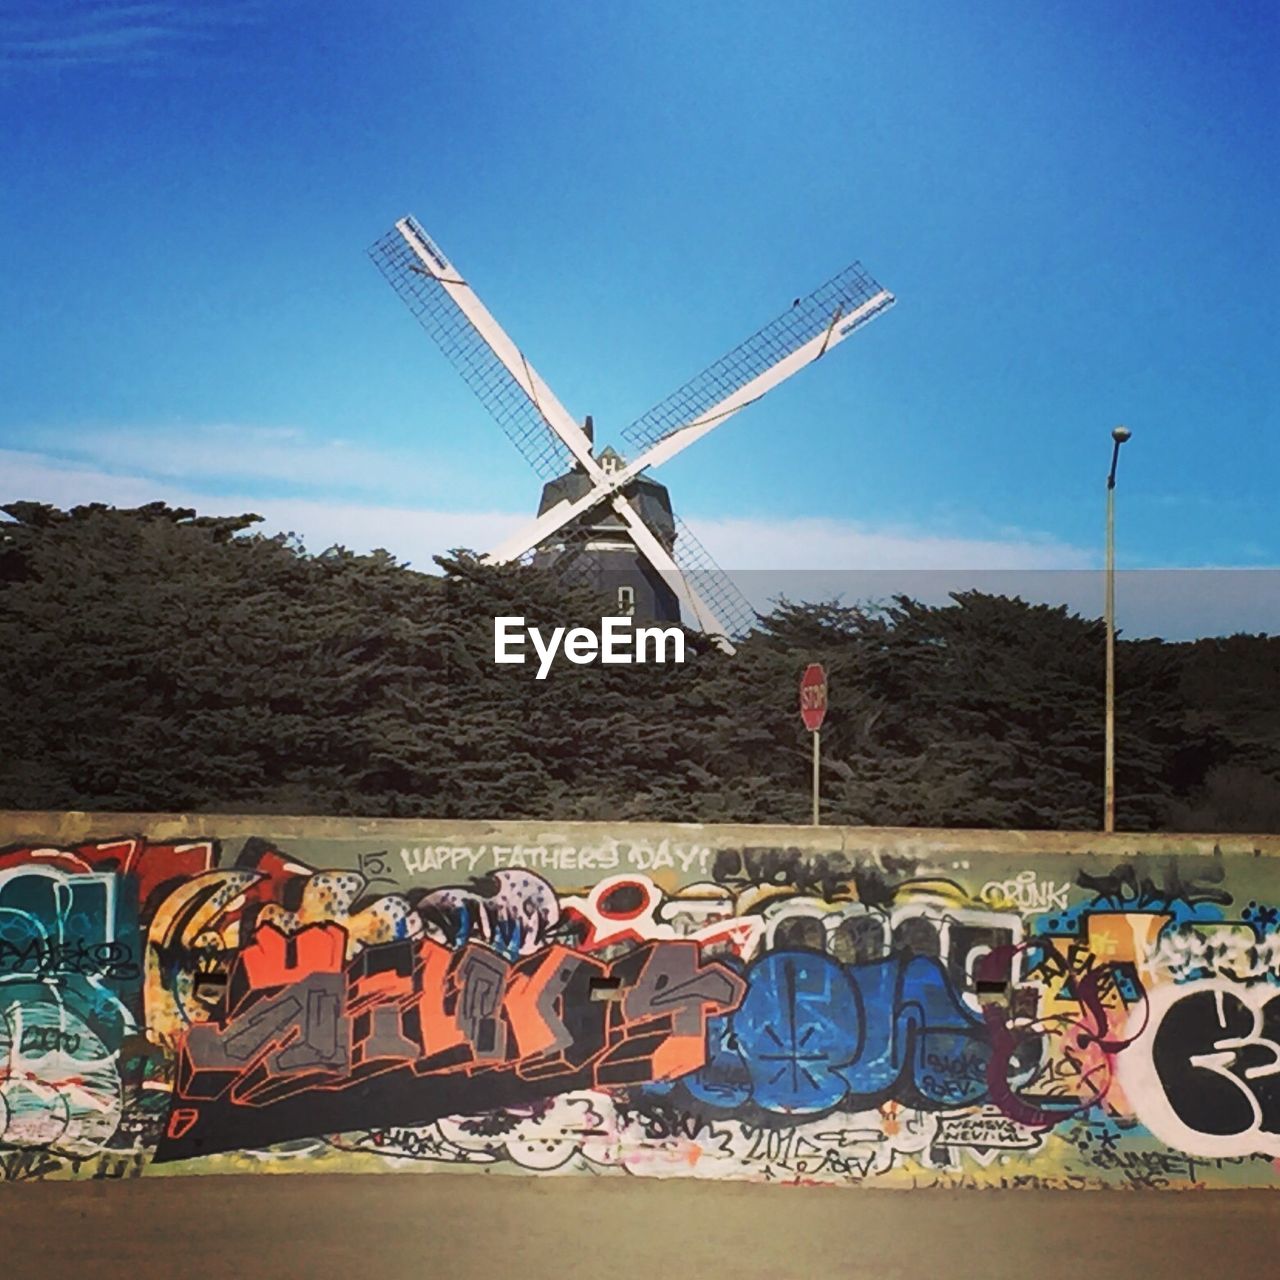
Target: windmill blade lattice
(470,354)
(562,453)
(713,584)
(805,320)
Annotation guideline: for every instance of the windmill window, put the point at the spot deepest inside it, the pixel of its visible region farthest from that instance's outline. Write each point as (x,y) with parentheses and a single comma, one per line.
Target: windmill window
(626,601)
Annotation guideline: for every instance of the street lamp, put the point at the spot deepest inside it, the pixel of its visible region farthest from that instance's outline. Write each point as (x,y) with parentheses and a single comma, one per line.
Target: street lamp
(1119,436)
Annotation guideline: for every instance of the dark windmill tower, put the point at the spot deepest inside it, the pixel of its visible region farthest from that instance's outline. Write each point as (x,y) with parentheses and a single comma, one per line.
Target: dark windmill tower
(601,517)
(597,549)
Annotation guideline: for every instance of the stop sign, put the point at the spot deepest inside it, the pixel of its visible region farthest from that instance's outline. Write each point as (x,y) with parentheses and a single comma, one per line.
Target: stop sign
(813,696)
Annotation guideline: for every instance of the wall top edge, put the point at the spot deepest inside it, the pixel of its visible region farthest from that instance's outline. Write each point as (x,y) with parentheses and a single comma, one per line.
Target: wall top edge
(64,826)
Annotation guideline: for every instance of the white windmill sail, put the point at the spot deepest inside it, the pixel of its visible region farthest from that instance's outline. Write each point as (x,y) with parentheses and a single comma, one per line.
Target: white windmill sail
(552,441)
(509,387)
(489,362)
(805,332)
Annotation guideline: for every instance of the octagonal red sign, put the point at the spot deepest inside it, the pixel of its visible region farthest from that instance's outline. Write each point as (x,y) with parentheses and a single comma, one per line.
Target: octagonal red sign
(813,696)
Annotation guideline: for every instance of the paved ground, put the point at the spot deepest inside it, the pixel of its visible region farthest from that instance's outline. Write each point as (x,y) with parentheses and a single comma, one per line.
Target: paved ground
(530,1228)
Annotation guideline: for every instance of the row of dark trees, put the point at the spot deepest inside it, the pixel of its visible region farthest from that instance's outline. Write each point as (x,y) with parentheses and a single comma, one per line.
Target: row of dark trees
(153,659)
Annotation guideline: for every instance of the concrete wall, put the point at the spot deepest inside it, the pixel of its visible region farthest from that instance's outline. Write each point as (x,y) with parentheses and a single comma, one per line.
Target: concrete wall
(836,1007)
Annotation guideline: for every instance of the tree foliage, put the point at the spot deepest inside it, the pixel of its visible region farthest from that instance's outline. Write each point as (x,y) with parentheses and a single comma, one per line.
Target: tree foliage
(153,659)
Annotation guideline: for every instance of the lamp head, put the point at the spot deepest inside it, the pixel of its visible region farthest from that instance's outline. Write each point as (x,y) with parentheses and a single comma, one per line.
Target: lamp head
(1121,434)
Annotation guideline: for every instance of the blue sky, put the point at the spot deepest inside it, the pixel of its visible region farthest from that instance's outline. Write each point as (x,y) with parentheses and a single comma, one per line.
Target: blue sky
(1075,205)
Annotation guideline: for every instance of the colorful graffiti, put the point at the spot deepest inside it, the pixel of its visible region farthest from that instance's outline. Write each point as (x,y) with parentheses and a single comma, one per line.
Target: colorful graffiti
(625,1004)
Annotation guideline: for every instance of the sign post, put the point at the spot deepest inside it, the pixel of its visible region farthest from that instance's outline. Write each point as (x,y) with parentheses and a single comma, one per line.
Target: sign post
(813,710)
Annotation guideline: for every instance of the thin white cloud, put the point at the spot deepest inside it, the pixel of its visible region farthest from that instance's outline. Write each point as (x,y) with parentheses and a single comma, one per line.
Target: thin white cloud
(810,544)
(226,454)
(34,477)
(416,534)
(800,559)
(410,533)
(109,32)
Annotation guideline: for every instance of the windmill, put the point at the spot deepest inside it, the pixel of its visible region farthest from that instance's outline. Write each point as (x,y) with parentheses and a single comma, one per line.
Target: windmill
(599,508)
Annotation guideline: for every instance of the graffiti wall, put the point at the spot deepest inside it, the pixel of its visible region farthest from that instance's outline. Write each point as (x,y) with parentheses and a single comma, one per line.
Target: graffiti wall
(897,1009)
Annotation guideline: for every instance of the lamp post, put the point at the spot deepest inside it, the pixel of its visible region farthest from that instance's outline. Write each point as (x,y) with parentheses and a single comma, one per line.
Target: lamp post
(1118,436)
